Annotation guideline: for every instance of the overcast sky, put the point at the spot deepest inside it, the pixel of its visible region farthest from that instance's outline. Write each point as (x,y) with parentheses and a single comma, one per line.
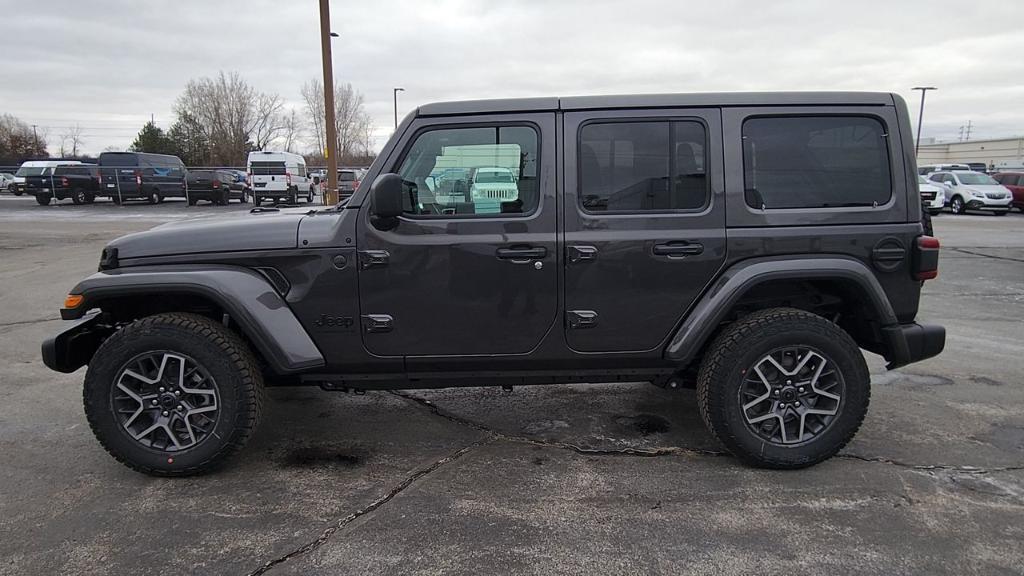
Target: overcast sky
(108,65)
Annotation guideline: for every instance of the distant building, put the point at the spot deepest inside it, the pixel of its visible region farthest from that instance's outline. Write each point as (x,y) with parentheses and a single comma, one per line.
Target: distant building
(997,154)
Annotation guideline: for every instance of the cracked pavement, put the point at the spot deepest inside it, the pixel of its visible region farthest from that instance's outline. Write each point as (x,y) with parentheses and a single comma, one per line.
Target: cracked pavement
(594,478)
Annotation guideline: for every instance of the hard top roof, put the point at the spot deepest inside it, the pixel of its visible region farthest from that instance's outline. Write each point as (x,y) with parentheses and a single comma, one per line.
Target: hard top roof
(707,99)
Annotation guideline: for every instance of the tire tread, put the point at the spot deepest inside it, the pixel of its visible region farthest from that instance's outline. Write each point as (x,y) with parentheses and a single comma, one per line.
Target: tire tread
(250,407)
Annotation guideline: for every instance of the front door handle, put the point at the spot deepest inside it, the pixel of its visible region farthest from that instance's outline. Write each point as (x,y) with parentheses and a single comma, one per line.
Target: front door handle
(678,249)
(522,253)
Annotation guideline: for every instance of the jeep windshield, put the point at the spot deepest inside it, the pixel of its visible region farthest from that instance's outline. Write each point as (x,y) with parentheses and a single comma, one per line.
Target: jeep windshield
(494,178)
(977,179)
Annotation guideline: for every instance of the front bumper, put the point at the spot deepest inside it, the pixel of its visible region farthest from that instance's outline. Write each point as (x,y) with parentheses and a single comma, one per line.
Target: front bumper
(988,204)
(913,342)
(72,347)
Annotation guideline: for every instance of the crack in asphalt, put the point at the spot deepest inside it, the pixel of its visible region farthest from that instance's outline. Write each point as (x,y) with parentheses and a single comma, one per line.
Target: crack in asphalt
(25,322)
(928,467)
(642,452)
(492,435)
(675,450)
(983,255)
(380,501)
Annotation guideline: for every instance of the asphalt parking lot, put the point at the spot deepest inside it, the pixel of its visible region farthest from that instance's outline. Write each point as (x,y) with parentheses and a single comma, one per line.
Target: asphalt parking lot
(581,479)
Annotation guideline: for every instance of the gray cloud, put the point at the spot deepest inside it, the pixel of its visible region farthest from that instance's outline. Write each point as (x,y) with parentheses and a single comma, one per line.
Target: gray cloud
(109,65)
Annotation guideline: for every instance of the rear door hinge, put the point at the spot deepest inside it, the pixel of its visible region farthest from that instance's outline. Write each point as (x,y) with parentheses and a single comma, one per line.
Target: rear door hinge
(580,254)
(580,319)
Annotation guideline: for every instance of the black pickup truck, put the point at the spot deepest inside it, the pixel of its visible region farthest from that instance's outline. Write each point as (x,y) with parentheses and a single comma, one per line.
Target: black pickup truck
(80,183)
(747,245)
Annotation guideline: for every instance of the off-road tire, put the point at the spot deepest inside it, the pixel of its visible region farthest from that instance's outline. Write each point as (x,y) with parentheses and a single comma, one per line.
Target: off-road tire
(44,199)
(221,352)
(740,345)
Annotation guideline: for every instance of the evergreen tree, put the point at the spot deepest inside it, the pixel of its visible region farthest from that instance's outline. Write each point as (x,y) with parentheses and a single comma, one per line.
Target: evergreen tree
(152,139)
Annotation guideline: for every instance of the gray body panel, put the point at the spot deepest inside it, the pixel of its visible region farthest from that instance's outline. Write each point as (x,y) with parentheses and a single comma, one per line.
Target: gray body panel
(246,295)
(267,231)
(454,308)
(731,285)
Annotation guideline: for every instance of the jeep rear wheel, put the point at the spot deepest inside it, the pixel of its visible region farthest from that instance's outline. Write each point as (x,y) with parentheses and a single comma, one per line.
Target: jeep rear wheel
(173,394)
(783,388)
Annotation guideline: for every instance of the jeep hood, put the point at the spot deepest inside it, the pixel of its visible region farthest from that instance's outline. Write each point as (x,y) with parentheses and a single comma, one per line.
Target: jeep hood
(260,231)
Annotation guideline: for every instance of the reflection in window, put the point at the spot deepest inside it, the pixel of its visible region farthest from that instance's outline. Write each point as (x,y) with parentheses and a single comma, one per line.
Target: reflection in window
(479,171)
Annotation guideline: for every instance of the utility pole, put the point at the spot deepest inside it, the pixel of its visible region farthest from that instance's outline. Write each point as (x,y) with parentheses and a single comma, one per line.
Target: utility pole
(331,153)
(394,92)
(920,116)
(35,137)
(967,138)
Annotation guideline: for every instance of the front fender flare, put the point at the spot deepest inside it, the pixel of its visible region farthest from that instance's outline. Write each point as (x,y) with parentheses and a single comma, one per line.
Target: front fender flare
(244,294)
(712,308)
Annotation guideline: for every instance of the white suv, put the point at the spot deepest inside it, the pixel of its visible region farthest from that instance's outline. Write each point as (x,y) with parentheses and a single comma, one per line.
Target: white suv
(933,195)
(967,190)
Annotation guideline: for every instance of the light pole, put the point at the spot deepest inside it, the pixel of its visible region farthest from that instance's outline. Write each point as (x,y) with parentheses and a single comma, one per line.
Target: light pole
(331,152)
(920,115)
(394,92)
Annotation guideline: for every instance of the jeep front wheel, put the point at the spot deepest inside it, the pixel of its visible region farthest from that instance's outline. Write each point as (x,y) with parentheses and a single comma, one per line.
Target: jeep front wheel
(173,394)
(783,388)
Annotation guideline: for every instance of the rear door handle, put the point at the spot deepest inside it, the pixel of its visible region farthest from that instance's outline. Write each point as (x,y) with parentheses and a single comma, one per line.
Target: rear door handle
(522,253)
(678,249)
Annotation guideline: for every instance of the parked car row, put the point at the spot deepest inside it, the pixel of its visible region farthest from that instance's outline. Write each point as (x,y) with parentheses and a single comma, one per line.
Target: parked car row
(964,190)
(348,180)
(272,177)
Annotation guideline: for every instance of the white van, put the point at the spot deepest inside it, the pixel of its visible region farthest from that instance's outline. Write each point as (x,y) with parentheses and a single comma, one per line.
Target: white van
(35,168)
(278,176)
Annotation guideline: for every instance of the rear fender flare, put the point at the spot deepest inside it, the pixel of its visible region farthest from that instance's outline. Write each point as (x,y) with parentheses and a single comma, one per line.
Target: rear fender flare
(713,307)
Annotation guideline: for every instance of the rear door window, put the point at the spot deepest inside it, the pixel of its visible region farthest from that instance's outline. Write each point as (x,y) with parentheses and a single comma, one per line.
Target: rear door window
(642,166)
(815,162)
(268,168)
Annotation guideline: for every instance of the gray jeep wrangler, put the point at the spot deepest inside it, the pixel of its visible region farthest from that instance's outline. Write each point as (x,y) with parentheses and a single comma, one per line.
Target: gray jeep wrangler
(749,245)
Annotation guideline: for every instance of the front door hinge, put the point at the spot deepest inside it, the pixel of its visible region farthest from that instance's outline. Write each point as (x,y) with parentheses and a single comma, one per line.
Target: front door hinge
(378,322)
(371,258)
(580,319)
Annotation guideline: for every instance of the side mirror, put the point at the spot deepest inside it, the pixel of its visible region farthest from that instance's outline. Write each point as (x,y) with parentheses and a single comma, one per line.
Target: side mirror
(386,201)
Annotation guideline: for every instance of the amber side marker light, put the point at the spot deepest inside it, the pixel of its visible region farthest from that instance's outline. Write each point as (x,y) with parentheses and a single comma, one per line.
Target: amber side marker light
(73,300)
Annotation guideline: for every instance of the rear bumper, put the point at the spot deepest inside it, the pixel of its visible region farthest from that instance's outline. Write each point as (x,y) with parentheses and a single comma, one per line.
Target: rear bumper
(913,342)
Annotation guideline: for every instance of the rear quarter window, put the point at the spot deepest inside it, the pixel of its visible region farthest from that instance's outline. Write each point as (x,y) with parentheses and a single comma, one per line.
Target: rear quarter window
(815,162)
(267,168)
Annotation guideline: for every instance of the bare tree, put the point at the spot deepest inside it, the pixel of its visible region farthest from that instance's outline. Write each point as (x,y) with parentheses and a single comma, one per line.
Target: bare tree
(18,142)
(292,130)
(227,111)
(351,119)
(313,96)
(268,120)
(70,141)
